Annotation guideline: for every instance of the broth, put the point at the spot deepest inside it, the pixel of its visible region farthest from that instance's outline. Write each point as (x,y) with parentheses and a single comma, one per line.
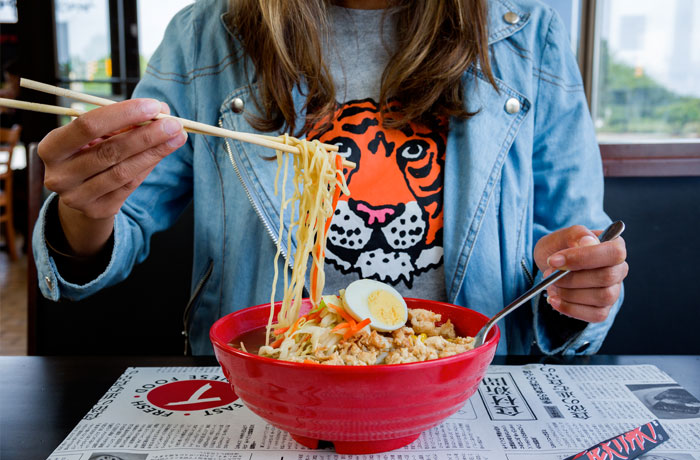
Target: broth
(252,340)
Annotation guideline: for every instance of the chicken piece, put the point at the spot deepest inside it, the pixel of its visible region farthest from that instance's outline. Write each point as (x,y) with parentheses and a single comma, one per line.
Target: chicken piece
(364,358)
(436,342)
(417,351)
(464,341)
(399,356)
(350,360)
(374,341)
(333,360)
(423,321)
(423,352)
(444,347)
(402,337)
(454,349)
(447,330)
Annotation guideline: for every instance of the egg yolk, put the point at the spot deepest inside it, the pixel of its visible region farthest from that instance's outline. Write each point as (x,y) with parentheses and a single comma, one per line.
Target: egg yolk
(385,307)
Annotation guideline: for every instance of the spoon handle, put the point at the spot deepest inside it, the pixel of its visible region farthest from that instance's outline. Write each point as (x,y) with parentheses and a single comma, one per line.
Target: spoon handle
(613,231)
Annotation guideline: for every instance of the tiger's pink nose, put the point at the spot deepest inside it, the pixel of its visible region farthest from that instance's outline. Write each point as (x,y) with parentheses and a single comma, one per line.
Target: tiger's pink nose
(377,214)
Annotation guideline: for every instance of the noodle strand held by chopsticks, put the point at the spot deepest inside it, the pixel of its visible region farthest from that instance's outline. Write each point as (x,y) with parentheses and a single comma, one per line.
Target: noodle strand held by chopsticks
(318,180)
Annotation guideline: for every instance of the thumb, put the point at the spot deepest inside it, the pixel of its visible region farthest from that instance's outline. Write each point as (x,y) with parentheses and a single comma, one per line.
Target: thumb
(571,237)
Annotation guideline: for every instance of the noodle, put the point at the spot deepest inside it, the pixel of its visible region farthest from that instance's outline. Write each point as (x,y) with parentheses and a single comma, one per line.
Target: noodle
(318,180)
(332,332)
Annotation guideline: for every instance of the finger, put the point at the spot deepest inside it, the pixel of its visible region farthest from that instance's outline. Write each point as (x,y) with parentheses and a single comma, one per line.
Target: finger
(64,141)
(597,297)
(164,108)
(588,313)
(118,176)
(116,149)
(597,277)
(570,237)
(109,204)
(582,258)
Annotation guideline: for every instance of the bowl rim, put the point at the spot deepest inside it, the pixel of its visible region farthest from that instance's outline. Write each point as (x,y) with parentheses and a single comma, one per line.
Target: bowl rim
(490,343)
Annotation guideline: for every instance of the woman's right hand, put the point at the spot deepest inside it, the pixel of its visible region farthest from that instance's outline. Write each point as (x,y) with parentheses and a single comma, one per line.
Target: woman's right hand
(97,160)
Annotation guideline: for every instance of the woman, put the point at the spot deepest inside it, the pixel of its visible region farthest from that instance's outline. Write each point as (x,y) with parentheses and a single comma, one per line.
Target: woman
(477,166)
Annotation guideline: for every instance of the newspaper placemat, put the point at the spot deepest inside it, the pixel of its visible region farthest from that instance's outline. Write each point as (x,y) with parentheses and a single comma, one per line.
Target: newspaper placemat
(532,412)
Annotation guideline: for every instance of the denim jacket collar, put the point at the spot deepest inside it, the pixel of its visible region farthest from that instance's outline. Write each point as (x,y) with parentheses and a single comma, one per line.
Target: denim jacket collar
(499,27)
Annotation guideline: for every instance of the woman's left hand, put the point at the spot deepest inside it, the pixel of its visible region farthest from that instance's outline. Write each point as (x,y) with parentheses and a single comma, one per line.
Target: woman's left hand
(597,270)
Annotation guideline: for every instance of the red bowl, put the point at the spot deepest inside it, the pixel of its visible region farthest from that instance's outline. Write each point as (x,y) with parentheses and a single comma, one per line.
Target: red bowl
(360,409)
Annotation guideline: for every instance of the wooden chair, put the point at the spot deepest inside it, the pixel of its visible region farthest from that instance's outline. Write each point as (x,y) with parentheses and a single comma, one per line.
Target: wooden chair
(8,140)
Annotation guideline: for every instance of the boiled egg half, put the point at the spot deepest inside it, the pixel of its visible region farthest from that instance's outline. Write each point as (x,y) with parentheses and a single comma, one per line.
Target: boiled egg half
(379,302)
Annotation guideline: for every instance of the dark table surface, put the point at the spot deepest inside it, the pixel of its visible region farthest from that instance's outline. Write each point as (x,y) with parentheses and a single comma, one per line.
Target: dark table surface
(43,398)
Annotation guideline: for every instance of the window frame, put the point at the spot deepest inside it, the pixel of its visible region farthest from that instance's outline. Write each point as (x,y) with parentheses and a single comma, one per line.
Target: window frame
(124,50)
(632,159)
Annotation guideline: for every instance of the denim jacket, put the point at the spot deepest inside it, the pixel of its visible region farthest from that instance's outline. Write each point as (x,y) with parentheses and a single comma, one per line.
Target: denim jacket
(527,164)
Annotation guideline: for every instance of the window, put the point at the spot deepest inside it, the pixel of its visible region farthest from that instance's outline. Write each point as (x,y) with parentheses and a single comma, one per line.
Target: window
(647,70)
(103,46)
(83,48)
(8,11)
(644,85)
(153,18)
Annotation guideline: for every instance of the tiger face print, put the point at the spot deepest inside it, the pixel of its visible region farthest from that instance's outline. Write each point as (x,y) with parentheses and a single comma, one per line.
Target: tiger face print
(390,227)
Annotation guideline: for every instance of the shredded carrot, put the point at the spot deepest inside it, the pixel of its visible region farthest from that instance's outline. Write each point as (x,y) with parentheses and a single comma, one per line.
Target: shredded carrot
(341,311)
(313,316)
(340,326)
(308,361)
(281,330)
(363,323)
(277,342)
(357,328)
(296,325)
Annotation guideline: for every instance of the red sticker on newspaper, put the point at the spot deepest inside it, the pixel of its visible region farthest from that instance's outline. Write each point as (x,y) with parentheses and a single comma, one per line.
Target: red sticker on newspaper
(627,445)
(191,395)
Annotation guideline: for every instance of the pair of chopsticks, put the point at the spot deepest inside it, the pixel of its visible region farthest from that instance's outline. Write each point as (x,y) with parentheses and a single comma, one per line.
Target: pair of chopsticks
(272,142)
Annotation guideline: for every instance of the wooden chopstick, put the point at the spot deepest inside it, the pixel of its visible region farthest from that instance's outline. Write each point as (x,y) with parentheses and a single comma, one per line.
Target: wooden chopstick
(272,142)
(36,107)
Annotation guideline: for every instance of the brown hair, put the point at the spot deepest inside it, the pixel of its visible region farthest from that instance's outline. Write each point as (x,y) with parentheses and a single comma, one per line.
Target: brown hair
(437,40)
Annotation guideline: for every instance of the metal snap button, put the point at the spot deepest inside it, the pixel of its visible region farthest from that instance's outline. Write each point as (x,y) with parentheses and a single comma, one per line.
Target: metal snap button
(584,346)
(49,283)
(511,18)
(512,106)
(237,105)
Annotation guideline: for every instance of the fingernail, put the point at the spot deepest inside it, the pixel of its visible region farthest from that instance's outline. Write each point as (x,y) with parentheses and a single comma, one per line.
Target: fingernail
(171,126)
(554,301)
(588,241)
(553,290)
(164,108)
(557,260)
(177,141)
(151,107)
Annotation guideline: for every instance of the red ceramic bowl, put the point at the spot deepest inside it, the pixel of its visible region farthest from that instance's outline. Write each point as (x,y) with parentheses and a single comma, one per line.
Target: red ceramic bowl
(360,409)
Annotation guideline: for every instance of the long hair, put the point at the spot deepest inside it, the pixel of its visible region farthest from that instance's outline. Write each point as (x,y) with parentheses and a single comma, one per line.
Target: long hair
(436,41)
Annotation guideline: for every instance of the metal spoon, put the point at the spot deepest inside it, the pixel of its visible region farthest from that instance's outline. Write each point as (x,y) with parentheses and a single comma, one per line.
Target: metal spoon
(610,233)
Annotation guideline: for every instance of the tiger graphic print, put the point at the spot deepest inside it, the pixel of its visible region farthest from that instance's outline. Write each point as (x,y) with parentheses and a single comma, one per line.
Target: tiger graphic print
(390,227)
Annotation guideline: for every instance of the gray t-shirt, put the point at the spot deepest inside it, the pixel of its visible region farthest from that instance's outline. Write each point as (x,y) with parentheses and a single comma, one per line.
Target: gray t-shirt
(390,228)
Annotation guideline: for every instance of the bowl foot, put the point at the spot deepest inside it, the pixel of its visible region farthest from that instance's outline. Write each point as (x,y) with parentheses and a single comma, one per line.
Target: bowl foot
(359,447)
